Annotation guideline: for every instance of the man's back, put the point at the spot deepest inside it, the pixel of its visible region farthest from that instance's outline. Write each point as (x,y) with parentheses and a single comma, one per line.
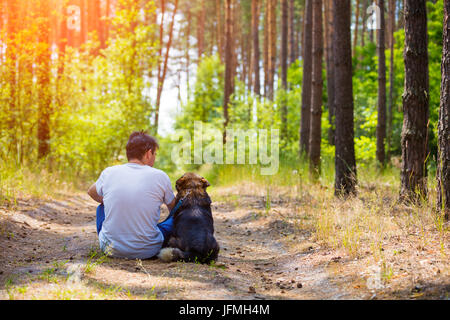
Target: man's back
(132,195)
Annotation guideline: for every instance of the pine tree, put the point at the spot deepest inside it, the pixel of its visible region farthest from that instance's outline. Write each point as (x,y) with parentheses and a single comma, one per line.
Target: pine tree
(317,86)
(43,80)
(381,124)
(414,141)
(443,160)
(345,174)
(307,76)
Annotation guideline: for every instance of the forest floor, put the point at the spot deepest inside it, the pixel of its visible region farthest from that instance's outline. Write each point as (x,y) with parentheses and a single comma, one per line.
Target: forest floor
(269,250)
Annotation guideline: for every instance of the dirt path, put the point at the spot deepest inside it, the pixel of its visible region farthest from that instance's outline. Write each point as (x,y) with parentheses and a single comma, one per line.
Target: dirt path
(49,249)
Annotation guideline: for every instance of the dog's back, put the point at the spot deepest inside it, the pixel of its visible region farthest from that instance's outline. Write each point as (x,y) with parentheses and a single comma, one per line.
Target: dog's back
(193,238)
(195,234)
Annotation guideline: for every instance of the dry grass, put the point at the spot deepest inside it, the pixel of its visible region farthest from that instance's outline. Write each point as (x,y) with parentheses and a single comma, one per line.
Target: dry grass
(394,246)
(366,246)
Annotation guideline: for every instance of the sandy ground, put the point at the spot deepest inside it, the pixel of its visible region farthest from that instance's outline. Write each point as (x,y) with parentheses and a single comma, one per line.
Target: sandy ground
(49,250)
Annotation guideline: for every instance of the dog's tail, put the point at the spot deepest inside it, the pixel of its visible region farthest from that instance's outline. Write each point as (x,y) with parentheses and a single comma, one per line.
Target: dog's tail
(175,254)
(172,254)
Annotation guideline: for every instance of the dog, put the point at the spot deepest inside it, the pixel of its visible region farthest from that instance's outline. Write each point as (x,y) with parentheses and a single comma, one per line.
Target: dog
(193,236)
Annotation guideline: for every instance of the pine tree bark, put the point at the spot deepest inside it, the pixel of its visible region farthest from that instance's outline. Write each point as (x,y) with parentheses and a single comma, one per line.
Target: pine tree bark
(381,123)
(12,9)
(272,49)
(219,29)
(62,43)
(366,4)
(414,141)
(345,163)
(391,77)
(355,34)
(400,22)
(255,37)
(43,80)
(329,25)
(284,65)
(84,21)
(187,48)
(266,48)
(2,15)
(201,30)
(94,24)
(443,159)
(291,32)
(105,24)
(229,61)
(307,79)
(298,35)
(162,74)
(317,86)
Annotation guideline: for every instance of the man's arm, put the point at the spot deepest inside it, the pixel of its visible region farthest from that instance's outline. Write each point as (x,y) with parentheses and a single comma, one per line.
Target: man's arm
(171,205)
(92,191)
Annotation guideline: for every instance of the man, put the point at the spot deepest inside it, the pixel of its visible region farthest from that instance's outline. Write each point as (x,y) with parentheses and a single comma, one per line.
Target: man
(130,196)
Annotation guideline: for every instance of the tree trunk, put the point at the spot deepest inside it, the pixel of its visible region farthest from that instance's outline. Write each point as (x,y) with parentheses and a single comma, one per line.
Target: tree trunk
(272,49)
(93,16)
(84,21)
(94,24)
(187,48)
(443,160)
(307,75)
(317,86)
(400,22)
(43,80)
(229,61)
(298,34)
(266,48)
(284,62)
(414,140)
(355,33)
(105,24)
(366,4)
(240,44)
(255,36)
(219,29)
(381,123)
(291,32)
(2,15)
(345,178)
(62,43)
(330,68)
(12,8)
(391,78)
(201,30)
(162,76)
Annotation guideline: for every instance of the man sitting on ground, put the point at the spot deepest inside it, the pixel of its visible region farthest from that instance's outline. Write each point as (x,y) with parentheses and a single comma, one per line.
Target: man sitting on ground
(130,196)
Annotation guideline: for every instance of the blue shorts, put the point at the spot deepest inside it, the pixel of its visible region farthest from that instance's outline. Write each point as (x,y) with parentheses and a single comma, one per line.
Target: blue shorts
(166,226)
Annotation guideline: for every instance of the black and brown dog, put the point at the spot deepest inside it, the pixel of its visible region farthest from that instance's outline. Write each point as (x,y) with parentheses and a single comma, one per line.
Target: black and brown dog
(193,235)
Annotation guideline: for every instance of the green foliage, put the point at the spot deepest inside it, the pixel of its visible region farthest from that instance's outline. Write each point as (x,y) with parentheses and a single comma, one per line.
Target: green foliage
(206,105)
(101,96)
(105,96)
(98,99)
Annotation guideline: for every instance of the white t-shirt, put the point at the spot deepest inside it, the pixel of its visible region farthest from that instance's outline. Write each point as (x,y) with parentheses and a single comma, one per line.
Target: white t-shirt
(132,195)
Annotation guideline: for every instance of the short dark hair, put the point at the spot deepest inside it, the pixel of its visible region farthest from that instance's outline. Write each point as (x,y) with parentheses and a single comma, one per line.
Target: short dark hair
(139,143)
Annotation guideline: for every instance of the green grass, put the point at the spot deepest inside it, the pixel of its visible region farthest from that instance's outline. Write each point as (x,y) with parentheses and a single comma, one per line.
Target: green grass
(95,259)
(35,181)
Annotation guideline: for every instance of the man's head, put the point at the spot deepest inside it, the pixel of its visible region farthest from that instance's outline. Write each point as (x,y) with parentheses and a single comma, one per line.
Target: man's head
(142,147)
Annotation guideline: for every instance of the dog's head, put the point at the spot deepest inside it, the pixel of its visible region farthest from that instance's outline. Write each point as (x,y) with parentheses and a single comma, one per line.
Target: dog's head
(192,188)
(191,182)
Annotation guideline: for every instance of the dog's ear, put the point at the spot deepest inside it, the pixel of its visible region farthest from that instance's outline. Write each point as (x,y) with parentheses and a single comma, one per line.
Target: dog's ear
(205,183)
(180,183)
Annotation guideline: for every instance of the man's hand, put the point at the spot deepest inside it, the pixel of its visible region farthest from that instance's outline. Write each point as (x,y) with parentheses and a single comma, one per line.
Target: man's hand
(171,205)
(94,195)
